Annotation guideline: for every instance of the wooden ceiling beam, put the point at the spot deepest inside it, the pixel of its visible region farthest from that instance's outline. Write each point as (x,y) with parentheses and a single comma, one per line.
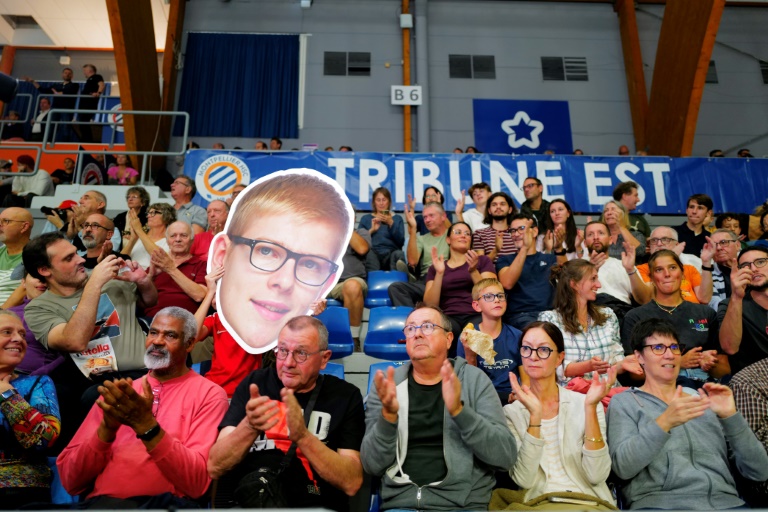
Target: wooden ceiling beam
(172,53)
(633,69)
(133,37)
(682,59)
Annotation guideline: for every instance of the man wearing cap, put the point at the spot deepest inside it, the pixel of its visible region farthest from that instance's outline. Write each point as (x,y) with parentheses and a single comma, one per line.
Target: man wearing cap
(24,188)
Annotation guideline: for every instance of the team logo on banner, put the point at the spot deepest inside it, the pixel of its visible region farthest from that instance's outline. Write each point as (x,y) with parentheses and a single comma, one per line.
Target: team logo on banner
(513,126)
(116,118)
(217,176)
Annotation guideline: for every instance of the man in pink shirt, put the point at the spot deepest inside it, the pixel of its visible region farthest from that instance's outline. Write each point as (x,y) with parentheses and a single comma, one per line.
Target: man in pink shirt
(146,442)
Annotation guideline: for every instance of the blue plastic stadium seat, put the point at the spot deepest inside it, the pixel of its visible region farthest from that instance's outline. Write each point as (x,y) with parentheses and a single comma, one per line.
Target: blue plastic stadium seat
(335,369)
(378,284)
(385,333)
(333,302)
(380,366)
(340,341)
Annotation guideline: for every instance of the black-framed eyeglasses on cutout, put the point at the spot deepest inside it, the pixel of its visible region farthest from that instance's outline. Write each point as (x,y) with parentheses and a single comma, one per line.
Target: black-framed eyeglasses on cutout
(270,257)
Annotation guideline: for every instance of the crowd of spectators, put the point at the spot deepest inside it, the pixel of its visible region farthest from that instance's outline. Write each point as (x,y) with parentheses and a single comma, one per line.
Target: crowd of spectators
(626,336)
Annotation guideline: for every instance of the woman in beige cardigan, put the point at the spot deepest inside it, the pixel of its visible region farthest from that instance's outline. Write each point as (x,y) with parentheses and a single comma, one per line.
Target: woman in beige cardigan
(560,434)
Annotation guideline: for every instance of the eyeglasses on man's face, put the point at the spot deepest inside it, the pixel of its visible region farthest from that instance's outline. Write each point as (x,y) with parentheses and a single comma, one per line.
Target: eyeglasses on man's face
(519,230)
(300,356)
(93,225)
(758,263)
(427,328)
(660,348)
(6,222)
(543,352)
(661,241)
(270,257)
(722,244)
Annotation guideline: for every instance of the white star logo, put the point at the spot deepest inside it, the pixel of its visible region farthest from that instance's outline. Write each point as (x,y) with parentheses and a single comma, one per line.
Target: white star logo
(526,135)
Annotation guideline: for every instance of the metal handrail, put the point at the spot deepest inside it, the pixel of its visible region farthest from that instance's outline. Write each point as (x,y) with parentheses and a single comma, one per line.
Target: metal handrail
(48,145)
(38,151)
(19,121)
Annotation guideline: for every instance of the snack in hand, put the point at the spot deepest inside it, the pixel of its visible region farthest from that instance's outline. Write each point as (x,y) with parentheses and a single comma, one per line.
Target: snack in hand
(480,343)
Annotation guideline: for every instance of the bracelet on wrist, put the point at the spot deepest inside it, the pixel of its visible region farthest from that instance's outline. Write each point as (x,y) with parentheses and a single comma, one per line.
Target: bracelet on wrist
(560,253)
(534,426)
(707,269)
(594,439)
(634,271)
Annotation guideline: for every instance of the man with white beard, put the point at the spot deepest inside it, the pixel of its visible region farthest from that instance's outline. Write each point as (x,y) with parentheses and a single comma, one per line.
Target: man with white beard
(156,430)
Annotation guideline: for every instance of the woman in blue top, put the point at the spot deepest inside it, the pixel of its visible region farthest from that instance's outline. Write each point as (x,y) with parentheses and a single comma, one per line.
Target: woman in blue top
(387,230)
(29,422)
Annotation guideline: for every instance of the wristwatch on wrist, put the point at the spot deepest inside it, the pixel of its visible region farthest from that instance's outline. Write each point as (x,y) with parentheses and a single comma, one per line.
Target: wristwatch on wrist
(5,395)
(149,434)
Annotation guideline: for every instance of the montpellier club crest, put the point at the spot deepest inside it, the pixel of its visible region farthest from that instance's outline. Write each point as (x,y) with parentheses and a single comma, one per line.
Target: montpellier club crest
(217,176)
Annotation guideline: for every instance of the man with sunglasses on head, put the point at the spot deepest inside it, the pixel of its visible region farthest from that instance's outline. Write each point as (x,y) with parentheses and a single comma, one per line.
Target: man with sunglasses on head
(743,316)
(435,430)
(525,275)
(156,430)
(265,418)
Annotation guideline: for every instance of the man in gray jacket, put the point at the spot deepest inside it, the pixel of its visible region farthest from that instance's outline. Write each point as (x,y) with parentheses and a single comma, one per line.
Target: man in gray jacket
(435,431)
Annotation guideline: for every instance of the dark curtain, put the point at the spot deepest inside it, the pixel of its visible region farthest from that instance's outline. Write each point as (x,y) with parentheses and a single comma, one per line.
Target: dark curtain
(241,85)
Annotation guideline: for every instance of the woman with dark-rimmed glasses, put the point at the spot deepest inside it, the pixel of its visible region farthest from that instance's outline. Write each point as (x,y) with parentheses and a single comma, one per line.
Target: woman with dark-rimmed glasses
(672,443)
(560,434)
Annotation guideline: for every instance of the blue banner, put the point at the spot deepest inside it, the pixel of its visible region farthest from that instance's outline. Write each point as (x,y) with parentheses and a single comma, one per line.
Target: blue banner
(522,127)
(734,184)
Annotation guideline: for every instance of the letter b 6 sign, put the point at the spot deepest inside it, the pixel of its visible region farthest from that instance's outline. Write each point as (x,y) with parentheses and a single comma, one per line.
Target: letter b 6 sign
(406,95)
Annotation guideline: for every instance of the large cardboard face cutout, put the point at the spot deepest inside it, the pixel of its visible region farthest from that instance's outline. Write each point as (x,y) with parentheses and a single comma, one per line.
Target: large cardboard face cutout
(281,251)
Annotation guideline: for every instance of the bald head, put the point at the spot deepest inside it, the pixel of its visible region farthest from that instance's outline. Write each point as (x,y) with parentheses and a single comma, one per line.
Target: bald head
(15,227)
(101,220)
(21,214)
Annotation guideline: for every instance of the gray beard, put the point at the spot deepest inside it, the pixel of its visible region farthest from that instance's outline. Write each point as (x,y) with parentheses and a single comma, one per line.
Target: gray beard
(90,244)
(153,362)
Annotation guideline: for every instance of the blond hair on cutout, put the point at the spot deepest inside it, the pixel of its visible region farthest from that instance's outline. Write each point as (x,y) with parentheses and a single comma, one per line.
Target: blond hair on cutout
(304,197)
